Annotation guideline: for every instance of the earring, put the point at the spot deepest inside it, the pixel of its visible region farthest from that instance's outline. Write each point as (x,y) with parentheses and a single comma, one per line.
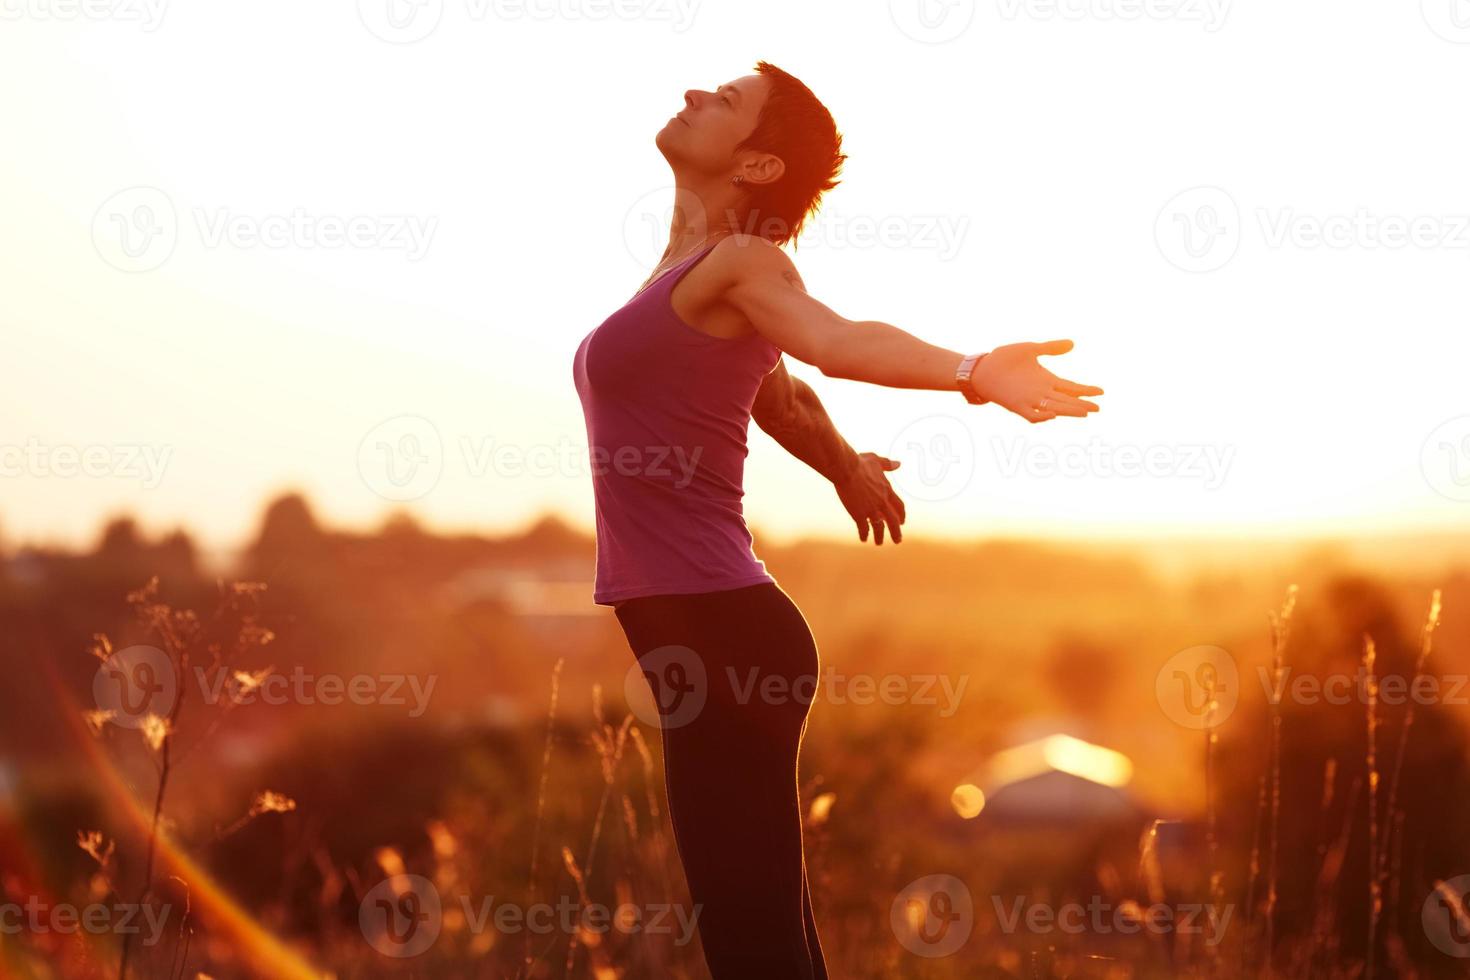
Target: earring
(737,179)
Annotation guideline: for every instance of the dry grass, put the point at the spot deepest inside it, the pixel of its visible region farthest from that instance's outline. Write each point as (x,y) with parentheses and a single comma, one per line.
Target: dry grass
(571,809)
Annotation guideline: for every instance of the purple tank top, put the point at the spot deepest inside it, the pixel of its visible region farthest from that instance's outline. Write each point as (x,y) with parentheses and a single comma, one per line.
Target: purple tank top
(667,408)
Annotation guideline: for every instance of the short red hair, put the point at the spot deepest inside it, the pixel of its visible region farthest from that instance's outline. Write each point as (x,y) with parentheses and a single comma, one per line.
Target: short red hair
(795,126)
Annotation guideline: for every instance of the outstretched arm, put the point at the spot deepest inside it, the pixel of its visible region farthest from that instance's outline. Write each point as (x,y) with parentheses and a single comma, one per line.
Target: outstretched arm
(762,283)
(788,411)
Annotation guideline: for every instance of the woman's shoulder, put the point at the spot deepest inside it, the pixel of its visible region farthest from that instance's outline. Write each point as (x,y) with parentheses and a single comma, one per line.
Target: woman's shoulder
(742,256)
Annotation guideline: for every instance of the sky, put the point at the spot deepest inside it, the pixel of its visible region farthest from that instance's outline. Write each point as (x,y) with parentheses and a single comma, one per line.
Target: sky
(350,249)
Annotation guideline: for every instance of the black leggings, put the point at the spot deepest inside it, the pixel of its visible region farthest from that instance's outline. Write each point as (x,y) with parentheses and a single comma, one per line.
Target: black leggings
(733,674)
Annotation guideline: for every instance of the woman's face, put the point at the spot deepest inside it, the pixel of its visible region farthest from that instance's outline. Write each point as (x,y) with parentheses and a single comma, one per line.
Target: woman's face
(703,136)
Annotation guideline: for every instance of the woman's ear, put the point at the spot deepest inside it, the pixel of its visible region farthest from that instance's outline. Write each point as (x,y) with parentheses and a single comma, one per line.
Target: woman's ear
(763,169)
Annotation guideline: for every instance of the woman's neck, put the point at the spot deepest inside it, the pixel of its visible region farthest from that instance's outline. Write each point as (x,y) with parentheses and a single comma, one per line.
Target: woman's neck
(700,215)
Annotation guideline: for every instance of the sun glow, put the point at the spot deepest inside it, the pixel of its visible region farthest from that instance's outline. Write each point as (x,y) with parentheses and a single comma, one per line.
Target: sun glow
(1060,753)
(243,364)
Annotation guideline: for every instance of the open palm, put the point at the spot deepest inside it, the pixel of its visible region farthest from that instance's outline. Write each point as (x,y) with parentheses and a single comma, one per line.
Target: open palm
(1012,377)
(870,500)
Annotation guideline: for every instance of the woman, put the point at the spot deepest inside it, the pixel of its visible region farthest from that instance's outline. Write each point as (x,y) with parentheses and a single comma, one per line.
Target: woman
(668,385)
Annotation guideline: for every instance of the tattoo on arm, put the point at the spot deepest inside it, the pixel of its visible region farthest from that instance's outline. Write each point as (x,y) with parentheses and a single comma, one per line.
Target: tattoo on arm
(789,411)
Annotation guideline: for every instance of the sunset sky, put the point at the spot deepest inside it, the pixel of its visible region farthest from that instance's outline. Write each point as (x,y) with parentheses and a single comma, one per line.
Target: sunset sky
(251,248)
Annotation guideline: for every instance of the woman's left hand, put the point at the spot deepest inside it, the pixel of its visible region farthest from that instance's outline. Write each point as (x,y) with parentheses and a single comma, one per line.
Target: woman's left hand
(1012,377)
(869,498)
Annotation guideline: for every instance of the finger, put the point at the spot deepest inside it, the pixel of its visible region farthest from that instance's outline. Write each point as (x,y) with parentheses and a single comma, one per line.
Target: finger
(877,530)
(862,527)
(893,508)
(1054,347)
(1038,415)
(896,503)
(894,528)
(1067,405)
(888,464)
(1074,388)
(1053,410)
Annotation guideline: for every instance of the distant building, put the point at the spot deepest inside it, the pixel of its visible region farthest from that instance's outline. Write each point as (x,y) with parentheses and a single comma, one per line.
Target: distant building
(558,588)
(1054,780)
(1052,811)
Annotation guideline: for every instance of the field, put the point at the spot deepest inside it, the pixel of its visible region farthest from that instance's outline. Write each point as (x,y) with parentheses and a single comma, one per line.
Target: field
(402,754)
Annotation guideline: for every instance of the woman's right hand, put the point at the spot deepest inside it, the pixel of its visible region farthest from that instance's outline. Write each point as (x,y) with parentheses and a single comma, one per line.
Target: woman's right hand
(1011,377)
